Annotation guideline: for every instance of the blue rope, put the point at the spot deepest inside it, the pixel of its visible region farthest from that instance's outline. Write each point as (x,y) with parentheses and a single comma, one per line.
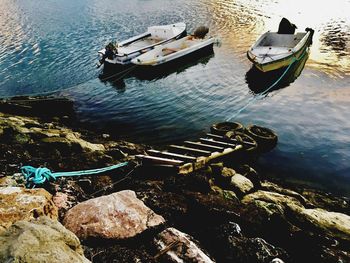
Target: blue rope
(40,175)
(269,88)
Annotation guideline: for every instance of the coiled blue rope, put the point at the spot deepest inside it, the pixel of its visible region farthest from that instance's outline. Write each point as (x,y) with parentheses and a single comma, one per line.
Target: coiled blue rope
(35,176)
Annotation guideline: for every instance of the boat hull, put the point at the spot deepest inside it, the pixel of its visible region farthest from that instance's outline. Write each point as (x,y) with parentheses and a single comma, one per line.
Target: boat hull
(282,62)
(157,60)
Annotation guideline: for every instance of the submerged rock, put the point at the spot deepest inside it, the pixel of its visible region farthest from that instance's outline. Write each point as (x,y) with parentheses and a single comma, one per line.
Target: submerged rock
(17,203)
(119,215)
(40,240)
(179,247)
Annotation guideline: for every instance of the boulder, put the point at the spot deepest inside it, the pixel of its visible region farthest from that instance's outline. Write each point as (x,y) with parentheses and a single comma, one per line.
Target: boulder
(271,187)
(241,184)
(17,203)
(334,224)
(272,198)
(40,240)
(179,247)
(120,215)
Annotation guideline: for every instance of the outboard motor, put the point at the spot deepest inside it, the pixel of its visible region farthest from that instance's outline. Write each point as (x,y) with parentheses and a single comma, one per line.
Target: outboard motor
(286,27)
(201,32)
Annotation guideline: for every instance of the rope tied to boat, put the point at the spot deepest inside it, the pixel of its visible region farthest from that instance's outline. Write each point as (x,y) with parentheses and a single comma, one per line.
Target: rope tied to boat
(40,175)
(269,88)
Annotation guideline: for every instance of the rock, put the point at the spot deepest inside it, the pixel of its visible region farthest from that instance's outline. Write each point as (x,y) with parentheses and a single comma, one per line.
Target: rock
(277,260)
(179,247)
(271,187)
(17,203)
(272,198)
(40,240)
(8,181)
(227,172)
(119,215)
(241,184)
(331,223)
(242,249)
(61,200)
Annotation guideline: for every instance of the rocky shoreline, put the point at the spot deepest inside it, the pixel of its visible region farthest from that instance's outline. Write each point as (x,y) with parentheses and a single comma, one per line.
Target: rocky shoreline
(224,213)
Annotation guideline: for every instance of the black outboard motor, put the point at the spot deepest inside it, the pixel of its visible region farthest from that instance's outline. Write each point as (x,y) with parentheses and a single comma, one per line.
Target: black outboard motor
(286,27)
(201,32)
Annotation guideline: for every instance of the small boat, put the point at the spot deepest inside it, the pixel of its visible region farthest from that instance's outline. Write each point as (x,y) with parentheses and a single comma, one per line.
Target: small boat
(174,50)
(274,50)
(122,52)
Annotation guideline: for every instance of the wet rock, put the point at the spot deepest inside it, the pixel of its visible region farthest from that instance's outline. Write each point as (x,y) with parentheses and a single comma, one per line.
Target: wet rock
(327,201)
(176,246)
(257,250)
(119,215)
(272,198)
(241,184)
(331,223)
(17,203)
(40,240)
(271,187)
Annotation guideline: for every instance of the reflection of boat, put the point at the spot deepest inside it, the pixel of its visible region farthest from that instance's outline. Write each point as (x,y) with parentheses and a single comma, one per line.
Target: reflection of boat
(174,50)
(123,52)
(274,50)
(259,81)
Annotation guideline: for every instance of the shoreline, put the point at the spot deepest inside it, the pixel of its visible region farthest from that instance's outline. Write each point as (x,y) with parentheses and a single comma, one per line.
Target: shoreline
(232,213)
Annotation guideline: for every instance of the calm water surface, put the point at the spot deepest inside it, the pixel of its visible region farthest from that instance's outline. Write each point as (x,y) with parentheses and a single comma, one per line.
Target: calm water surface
(48,45)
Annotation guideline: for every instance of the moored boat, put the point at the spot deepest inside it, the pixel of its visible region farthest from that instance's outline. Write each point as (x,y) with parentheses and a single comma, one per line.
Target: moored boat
(275,50)
(123,52)
(174,50)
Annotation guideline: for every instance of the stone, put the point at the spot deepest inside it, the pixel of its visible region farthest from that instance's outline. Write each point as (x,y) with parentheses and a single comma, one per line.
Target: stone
(61,200)
(8,181)
(179,247)
(17,203)
(271,187)
(272,198)
(334,224)
(227,172)
(241,184)
(119,215)
(40,240)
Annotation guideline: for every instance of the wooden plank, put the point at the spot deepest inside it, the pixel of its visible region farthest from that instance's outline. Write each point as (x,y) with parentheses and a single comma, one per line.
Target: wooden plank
(218,137)
(160,160)
(198,152)
(212,141)
(204,146)
(172,155)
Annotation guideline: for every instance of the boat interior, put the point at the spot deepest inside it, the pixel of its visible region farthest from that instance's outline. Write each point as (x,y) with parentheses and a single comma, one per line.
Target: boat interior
(281,40)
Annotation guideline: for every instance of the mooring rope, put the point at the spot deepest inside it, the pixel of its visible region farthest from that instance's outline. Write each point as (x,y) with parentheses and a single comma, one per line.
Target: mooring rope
(35,176)
(126,71)
(253,99)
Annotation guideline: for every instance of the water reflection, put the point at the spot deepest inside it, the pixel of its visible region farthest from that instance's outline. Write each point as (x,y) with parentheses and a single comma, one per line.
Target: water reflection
(259,81)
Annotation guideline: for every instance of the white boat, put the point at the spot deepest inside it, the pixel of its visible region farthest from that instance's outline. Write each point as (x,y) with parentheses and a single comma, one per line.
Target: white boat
(123,52)
(173,50)
(275,50)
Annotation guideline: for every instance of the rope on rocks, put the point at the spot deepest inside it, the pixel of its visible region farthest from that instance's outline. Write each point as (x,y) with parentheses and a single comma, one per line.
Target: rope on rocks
(35,176)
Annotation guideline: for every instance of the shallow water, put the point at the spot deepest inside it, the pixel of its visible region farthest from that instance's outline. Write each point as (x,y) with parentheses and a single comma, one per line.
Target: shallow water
(51,45)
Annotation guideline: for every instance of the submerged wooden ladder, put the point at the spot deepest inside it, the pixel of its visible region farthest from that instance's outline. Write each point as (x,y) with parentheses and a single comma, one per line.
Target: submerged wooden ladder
(193,155)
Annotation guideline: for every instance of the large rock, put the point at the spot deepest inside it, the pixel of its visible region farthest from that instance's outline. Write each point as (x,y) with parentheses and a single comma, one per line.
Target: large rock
(40,240)
(179,247)
(281,200)
(332,223)
(17,203)
(241,184)
(119,215)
